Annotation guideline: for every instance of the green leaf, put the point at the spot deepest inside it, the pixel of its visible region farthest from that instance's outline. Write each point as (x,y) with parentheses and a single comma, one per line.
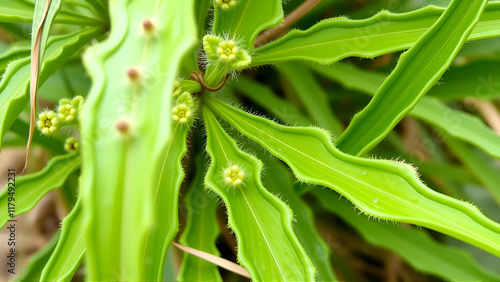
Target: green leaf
(37,262)
(332,40)
(122,166)
(478,79)
(202,10)
(279,181)
(263,96)
(69,81)
(69,251)
(20,11)
(482,168)
(267,246)
(13,140)
(201,230)
(15,51)
(32,187)
(14,85)
(380,188)
(312,95)
(16,11)
(246,20)
(416,72)
(43,22)
(456,123)
(413,245)
(166,199)
(21,128)
(190,61)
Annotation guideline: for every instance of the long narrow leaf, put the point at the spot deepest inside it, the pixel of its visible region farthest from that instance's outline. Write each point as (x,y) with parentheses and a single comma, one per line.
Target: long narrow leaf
(380,188)
(21,128)
(334,39)
(482,168)
(20,11)
(45,12)
(416,72)
(69,251)
(267,246)
(14,52)
(456,123)
(247,19)
(279,181)
(263,96)
(479,79)
(123,160)
(166,203)
(413,245)
(37,262)
(32,187)
(312,96)
(14,85)
(201,230)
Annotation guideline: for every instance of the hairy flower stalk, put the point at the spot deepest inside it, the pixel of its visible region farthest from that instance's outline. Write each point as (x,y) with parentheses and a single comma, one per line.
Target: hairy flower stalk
(224,56)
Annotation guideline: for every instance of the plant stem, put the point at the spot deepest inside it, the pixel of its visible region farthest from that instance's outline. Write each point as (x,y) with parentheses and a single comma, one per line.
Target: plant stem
(290,19)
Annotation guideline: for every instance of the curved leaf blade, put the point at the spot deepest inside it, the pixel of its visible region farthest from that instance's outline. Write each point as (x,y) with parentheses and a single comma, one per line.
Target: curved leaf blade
(166,203)
(20,11)
(334,39)
(201,230)
(263,96)
(280,182)
(456,123)
(16,11)
(247,19)
(483,169)
(413,245)
(416,72)
(14,52)
(69,251)
(478,79)
(267,246)
(112,157)
(312,96)
(14,85)
(37,262)
(380,188)
(45,12)
(32,187)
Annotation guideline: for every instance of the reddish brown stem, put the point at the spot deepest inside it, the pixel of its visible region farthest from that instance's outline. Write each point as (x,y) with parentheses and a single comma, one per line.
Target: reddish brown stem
(290,19)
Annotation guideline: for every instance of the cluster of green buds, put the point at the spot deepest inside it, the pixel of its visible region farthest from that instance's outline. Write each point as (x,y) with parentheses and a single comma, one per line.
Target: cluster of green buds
(71,145)
(66,113)
(182,112)
(225,4)
(227,52)
(234,175)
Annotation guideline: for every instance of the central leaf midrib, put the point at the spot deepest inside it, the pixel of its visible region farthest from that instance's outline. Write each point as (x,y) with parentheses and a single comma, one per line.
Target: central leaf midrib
(246,201)
(465,231)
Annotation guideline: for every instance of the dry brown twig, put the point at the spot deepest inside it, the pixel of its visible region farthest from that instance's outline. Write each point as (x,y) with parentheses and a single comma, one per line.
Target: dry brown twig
(229,265)
(35,72)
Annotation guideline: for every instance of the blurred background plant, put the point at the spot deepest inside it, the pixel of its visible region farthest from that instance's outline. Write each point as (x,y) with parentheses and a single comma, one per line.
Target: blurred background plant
(451,136)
